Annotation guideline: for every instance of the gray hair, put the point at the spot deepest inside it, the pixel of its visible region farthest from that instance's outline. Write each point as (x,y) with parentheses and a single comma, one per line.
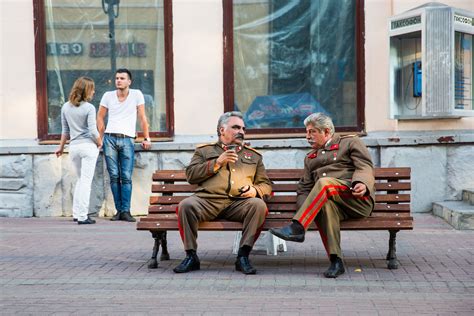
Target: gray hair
(224,119)
(320,121)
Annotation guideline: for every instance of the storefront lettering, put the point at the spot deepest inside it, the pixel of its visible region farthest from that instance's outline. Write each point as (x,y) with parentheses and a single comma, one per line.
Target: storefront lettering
(64,49)
(99,49)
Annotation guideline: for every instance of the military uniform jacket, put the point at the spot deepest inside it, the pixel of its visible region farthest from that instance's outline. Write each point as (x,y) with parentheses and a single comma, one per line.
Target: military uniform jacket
(226,181)
(343,157)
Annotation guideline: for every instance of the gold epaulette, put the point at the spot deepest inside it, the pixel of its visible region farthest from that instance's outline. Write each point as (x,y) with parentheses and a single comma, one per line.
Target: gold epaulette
(204,145)
(347,136)
(252,149)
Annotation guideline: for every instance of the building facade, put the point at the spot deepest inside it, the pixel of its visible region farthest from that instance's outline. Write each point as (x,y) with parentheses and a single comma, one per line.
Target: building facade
(276,61)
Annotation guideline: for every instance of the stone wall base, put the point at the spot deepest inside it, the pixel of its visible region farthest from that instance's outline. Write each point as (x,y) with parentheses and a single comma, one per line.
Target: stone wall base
(36,183)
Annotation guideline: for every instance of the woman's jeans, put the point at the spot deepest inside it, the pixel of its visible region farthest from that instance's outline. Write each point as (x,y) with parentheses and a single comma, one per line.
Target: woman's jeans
(84,158)
(119,156)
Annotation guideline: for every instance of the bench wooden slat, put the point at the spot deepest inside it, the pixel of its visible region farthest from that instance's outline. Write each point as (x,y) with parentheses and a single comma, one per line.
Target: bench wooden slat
(288,174)
(277,187)
(392,186)
(286,207)
(391,207)
(285,216)
(379,198)
(392,173)
(359,224)
(173,188)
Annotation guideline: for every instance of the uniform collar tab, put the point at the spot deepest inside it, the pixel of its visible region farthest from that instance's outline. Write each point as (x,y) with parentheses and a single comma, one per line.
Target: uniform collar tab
(238,148)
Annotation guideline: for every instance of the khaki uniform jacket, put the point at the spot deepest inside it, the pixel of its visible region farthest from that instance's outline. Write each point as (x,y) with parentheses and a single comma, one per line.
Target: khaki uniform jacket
(345,158)
(226,181)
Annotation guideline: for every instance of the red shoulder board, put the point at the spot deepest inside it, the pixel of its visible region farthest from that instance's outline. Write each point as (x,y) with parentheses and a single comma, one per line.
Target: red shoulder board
(313,155)
(334,147)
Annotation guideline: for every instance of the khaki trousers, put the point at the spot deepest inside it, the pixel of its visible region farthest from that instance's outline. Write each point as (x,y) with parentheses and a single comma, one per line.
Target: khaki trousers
(250,212)
(330,202)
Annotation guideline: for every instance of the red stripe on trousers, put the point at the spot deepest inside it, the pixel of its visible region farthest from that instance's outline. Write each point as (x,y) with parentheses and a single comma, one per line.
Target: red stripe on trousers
(316,211)
(344,193)
(316,200)
(259,230)
(313,203)
(324,239)
(181,231)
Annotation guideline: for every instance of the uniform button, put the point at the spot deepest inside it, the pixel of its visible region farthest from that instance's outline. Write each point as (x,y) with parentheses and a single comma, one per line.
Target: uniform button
(232,182)
(324,174)
(334,158)
(233,170)
(323,152)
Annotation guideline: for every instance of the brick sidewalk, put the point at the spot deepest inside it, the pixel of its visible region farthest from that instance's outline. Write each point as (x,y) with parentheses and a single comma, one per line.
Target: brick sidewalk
(53,266)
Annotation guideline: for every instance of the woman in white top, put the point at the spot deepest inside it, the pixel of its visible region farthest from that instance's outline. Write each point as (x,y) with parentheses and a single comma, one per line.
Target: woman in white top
(78,120)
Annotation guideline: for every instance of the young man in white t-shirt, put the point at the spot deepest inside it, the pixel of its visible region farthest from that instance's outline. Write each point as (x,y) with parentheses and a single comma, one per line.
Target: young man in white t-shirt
(122,106)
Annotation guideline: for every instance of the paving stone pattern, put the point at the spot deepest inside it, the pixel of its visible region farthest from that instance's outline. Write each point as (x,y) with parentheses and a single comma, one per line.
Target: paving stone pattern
(52,266)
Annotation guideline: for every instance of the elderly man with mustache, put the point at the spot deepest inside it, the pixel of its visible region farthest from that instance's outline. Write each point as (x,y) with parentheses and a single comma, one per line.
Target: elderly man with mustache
(338,183)
(232,183)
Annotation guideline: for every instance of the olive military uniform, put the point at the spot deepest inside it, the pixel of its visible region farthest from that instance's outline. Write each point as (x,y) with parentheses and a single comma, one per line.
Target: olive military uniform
(217,195)
(324,191)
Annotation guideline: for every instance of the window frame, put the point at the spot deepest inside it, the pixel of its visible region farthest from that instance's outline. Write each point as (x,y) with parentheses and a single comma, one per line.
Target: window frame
(41,73)
(228,74)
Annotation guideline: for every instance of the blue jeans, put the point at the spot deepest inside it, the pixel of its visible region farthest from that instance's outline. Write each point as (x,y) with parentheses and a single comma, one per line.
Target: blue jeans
(119,157)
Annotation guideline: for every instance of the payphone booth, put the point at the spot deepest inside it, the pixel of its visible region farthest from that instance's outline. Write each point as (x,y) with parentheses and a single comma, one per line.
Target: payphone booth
(431,63)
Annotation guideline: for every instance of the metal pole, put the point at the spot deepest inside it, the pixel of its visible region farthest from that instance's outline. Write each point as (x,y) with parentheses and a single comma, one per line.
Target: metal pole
(112,40)
(109,8)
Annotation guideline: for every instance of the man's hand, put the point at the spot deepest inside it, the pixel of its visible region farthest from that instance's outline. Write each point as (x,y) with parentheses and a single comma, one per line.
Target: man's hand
(359,189)
(146,144)
(248,192)
(59,152)
(226,157)
(99,143)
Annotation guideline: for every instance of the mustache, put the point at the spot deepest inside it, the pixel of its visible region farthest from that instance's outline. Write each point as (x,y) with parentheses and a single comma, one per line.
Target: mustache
(239,136)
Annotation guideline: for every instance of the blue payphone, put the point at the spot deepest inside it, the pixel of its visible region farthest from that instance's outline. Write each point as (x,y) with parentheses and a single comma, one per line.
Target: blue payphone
(417,79)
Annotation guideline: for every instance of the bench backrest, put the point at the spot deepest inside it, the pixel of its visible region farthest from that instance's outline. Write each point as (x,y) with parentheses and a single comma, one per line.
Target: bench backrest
(392,192)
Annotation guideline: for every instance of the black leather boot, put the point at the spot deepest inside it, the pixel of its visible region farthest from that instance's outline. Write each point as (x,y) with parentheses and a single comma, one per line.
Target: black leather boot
(336,268)
(190,263)
(243,265)
(116,217)
(86,221)
(292,232)
(127,217)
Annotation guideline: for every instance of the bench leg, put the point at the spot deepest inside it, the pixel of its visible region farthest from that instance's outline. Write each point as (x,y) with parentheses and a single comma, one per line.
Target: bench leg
(392,250)
(164,247)
(160,239)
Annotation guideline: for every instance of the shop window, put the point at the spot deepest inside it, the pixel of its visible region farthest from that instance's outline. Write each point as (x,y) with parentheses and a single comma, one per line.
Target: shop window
(94,38)
(286,59)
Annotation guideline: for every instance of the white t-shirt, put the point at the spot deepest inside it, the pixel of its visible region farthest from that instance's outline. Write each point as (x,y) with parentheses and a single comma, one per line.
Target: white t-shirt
(122,115)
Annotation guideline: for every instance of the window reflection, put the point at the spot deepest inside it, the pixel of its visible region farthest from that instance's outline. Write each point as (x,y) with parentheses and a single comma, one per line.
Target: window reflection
(292,58)
(78,44)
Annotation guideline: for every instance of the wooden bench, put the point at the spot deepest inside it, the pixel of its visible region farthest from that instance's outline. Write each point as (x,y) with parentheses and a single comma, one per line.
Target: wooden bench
(391,212)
